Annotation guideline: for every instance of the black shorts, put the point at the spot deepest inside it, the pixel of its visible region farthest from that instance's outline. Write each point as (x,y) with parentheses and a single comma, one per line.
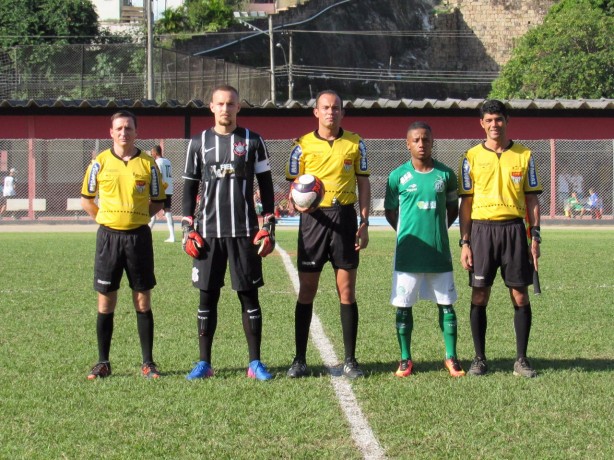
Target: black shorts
(328,234)
(242,256)
(168,201)
(119,250)
(500,244)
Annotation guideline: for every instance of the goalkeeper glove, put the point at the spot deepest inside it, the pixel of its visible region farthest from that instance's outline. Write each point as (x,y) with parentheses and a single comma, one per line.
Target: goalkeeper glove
(193,243)
(266,236)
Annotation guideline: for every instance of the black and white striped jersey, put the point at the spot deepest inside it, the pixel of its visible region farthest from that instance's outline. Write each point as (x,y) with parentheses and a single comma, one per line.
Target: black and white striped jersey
(227,165)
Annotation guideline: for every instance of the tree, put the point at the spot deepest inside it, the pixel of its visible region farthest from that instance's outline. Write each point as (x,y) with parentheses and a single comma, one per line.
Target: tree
(27,22)
(196,16)
(571,55)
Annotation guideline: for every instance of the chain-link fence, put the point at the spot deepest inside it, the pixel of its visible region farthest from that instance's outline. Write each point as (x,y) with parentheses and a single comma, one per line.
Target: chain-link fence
(105,71)
(50,172)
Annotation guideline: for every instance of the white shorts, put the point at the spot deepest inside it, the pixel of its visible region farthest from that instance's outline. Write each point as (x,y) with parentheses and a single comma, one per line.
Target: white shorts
(408,287)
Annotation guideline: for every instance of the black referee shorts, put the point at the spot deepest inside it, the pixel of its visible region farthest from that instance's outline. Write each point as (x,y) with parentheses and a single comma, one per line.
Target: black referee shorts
(119,250)
(500,244)
(328,234)
(242,256)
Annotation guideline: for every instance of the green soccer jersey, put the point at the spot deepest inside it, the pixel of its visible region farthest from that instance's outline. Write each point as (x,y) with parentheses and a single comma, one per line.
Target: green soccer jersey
(422,244)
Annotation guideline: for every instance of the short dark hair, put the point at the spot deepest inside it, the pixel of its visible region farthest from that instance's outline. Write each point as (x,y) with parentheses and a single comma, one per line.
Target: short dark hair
(331,92)
(157,149)
(224,87)
(420,125)
(123,114)
(493,106)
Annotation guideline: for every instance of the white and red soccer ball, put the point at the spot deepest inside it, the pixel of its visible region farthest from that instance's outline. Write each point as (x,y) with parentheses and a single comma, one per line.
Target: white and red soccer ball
(307,192)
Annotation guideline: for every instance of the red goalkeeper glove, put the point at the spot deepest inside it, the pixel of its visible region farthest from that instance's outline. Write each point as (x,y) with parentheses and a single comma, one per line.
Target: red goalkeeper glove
(266,236)
(193,243)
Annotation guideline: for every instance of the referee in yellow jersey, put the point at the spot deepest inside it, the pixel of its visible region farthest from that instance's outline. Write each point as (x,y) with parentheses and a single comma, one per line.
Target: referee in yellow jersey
(129,188)
(332,232)
(498,187)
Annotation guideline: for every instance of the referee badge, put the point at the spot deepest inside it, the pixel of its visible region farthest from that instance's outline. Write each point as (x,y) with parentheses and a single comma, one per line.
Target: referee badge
(140,185)
(516,176)
(347,164)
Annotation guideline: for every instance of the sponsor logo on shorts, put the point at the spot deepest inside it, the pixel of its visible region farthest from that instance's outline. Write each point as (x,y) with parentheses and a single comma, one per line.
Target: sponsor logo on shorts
(103,282)
(479,277)
(256,281)
(195,274)
(308,263)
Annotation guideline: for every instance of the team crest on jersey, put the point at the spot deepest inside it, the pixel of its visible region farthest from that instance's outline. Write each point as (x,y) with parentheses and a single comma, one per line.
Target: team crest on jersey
(440,185)
(140,185)
(347,164)
(240,149)
(516,176)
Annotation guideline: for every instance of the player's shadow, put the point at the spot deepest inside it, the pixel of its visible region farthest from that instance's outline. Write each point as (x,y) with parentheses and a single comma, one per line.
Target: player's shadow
(500,365)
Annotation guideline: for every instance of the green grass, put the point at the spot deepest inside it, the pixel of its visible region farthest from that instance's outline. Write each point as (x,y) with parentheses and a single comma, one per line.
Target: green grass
(47,344)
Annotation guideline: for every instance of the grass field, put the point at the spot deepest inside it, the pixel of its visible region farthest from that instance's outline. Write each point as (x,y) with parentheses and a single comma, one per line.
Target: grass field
(47,344)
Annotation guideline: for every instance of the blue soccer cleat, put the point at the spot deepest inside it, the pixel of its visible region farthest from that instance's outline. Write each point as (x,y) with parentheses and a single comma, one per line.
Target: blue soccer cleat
(257,370)
(202,370)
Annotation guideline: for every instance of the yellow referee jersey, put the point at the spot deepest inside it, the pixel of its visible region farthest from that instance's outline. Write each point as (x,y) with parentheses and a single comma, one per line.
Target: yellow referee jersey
(498,184)
(123,188)
(336,163)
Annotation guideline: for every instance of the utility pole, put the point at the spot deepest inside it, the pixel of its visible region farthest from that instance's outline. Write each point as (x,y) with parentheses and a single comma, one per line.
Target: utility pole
(272,58)
(150,80)
(290,77)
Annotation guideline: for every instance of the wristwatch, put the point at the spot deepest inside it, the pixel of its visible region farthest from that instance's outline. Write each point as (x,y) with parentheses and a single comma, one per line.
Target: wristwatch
(536,234)
(364,221)
(462,242)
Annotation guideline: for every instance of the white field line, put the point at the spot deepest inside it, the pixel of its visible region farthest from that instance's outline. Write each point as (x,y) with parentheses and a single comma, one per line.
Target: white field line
(362,434)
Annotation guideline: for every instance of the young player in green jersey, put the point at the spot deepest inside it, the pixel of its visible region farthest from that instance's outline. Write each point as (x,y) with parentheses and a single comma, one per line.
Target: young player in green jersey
(421,203)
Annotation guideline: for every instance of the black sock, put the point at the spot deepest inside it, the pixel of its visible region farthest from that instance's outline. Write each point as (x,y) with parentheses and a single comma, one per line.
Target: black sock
(522,324)
(206,320)
(251,315)
(477,318)
(145,325)
(302,320)
(349,325)
(104,333)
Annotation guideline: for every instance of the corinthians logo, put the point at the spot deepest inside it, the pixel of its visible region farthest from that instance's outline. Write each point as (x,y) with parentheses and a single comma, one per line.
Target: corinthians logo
(240,149)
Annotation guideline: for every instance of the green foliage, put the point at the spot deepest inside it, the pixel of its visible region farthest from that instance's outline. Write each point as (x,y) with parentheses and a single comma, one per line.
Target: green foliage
(29,22)
(196,16)
(571,55)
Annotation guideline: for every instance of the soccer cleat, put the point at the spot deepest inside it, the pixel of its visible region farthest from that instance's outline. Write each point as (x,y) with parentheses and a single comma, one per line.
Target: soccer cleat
(150,371)
(405,368)
(298,369)
(257,370)
(454,367)
(351,369)
(202,370)
(100,370)
(522,368)
(478,367)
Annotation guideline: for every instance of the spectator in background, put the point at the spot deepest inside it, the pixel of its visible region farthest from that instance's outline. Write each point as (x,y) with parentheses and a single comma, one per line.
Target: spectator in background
(572,206)
(167,179)
(8,189)
(593,205)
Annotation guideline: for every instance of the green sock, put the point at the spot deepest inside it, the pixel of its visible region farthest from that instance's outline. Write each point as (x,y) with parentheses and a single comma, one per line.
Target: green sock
(405,325)
(447,324)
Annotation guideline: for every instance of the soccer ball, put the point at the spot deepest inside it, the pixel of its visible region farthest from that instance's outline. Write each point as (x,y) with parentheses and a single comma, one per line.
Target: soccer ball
(307,192)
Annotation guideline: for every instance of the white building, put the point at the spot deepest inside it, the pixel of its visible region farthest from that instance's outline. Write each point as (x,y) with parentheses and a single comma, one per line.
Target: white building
(115,11)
